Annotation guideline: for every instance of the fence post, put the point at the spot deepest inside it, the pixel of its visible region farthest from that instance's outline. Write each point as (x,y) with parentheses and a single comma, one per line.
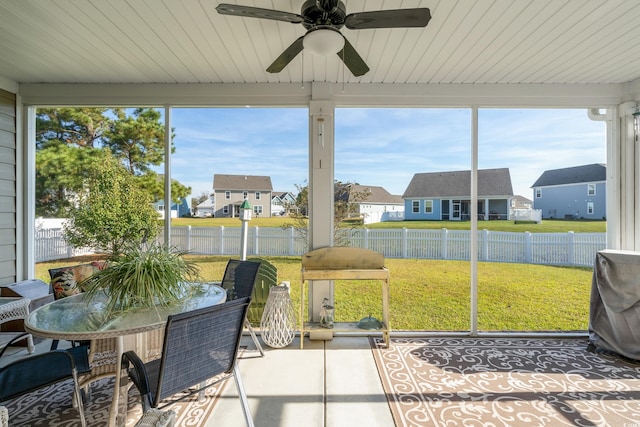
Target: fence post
(445,234)
(485,245)
(405,235)
(527,247)
(571,249)
(365,239)
(188,238)
(256,247)
(292,238)
(221,239)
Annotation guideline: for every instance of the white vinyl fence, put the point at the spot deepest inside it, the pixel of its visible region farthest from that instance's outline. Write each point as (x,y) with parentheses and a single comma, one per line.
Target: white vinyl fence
(575,249)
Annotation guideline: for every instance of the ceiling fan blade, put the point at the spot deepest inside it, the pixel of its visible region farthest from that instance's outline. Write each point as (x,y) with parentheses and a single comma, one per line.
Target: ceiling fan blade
(287,56)
(257,12)
(352,60)
(396,18)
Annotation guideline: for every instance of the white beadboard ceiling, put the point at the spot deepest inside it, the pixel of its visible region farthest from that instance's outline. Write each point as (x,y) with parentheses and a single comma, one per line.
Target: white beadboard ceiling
(187,41)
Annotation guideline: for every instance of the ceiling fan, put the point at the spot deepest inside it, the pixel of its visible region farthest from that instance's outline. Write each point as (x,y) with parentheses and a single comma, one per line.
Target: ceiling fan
(323,20)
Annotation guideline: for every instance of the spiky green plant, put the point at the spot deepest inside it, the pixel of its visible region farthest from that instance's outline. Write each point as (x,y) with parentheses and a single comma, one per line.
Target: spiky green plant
(144,277)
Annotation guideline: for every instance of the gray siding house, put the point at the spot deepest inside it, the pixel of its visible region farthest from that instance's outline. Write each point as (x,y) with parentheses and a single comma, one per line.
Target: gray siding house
(447,195)
(577,192)
(231,190)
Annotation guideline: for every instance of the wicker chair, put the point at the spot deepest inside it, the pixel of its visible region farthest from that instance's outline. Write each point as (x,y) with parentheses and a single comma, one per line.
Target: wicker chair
(34,372)
(198,345)
(239,281)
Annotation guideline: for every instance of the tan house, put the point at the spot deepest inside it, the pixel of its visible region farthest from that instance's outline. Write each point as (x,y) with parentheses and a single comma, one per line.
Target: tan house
(231,190)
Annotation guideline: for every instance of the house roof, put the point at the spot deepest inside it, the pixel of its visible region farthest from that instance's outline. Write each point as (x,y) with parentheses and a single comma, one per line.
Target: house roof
(376,195)
(242,182)
(282,194)
(491,182)
(586,173)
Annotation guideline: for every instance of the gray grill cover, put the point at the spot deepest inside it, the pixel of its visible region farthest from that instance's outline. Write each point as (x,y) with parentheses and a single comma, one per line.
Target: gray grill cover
(614,320)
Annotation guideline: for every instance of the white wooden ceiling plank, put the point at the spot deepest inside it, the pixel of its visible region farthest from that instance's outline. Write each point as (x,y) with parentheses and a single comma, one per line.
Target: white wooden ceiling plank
(568,50)
(569,43)
(18,62)
(209,41)
(238,43)
(521,46)
(103,40)
(515,34)
(172,35)
(446,15)
(129,32)
(543,41)
(461,41)
(43,53)
(486,42)
(193,19)
(609,37)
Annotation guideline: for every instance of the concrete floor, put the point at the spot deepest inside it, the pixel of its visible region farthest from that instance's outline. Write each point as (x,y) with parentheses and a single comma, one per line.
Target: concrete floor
(327,384)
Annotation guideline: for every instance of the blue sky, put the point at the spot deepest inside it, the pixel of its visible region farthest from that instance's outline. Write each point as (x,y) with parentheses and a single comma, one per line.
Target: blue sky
(381,147)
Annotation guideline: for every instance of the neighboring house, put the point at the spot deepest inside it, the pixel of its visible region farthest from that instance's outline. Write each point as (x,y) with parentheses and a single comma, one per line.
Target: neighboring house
(206,208)
(231,190)
(282,203)
(577,192)
(447,195)
(178,210)
(377,204)
(521,202)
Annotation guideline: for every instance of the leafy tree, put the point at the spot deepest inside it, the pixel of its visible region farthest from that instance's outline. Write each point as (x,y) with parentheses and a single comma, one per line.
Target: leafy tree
(71,142)
(113,211)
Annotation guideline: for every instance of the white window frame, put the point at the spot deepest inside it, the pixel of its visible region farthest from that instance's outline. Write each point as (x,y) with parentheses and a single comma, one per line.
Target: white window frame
(245,195)
(227,195)
(538,193)
(591,189)
(225,209)
(160,208)
(257,209)
(590,208)
(428,206)
(257,195)
(415,206)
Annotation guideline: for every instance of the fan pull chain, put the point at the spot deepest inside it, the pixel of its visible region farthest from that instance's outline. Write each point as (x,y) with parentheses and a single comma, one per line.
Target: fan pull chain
(343,67)
(302,70)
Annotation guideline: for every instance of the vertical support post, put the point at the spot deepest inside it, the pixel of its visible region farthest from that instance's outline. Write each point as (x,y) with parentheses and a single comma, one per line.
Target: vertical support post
(321,188)
(167,175)
(474,220)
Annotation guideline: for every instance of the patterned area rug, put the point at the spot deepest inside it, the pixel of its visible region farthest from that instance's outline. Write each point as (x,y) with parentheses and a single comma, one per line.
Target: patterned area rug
(51,406)
(506,382)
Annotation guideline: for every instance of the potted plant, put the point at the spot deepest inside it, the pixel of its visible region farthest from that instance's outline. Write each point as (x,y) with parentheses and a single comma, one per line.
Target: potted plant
(144,276)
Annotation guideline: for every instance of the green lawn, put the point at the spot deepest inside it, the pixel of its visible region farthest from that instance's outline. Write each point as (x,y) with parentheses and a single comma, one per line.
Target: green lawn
(434,295)
(547,226)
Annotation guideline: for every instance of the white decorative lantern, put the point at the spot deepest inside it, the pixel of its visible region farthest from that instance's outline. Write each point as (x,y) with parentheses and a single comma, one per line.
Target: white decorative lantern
(278,323)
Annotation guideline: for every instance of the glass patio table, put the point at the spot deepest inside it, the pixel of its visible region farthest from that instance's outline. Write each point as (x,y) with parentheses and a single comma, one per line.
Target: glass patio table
(79,318)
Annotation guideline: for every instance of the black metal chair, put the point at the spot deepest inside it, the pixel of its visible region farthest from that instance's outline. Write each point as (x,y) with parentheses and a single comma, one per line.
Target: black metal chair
(34,372)
(239,281)
(198,345)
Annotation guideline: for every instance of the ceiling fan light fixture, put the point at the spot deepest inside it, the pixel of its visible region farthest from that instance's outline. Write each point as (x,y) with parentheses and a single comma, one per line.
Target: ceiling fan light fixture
(323,41)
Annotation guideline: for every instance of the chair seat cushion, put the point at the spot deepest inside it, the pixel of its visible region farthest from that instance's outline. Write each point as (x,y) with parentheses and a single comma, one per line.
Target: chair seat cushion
(342,258)
(67,281)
